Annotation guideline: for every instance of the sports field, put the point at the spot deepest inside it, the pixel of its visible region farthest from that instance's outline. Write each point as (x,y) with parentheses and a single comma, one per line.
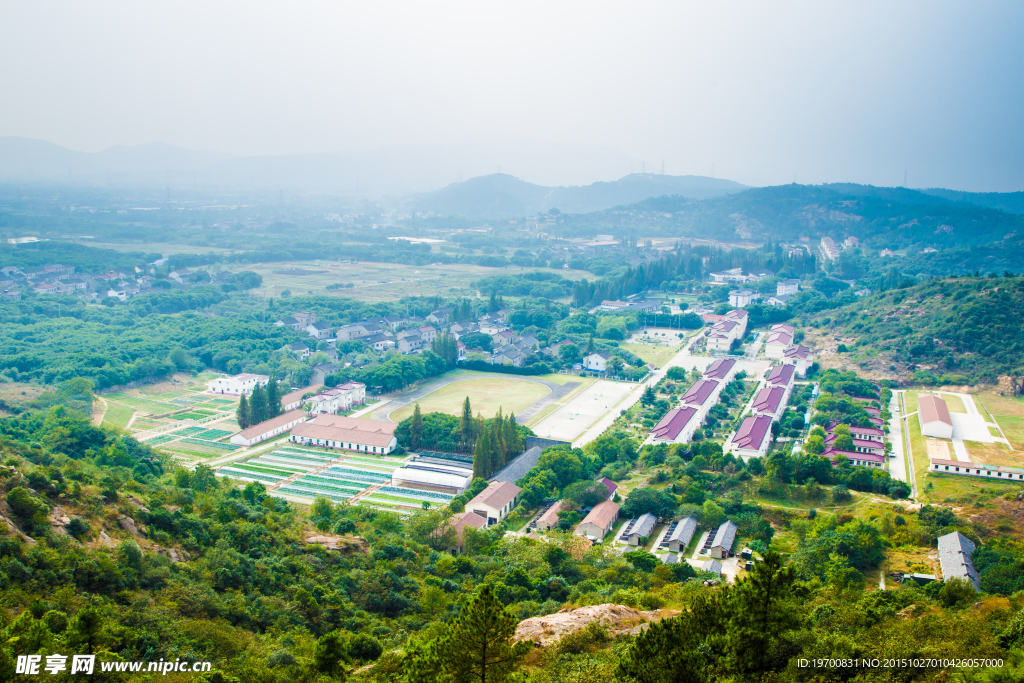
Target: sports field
(486,395)
(583,410)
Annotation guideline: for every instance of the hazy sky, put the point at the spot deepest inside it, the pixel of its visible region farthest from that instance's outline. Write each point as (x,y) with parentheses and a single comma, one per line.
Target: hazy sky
(764,91)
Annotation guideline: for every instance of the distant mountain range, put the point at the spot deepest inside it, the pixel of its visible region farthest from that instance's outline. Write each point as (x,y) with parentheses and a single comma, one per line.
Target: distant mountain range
(389,171)
(502,196)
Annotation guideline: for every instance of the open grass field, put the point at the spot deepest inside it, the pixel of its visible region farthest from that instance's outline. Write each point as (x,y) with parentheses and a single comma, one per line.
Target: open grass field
(117,414)
(919,451)
(16,393)
(954,403)
(965,491)
(486,395)
(994,454)
(380,281)
(1007,412)
(655,354)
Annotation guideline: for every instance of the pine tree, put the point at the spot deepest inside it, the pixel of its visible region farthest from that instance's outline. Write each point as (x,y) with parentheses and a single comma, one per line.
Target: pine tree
(258,407)
(475,648)
(590,345)
(466,422)
(649,397)
(273,398)
(763,611)
(416,428)
(446,346)
(512,439)
(482,463)
(492,305)
(673,650)
(498,452)
(243,415)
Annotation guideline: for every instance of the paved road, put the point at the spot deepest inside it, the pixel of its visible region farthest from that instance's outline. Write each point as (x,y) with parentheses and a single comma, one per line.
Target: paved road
(908,450)
(898,463)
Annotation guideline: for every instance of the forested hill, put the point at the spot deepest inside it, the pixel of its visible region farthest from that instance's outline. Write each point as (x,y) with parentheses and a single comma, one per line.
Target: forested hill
(503,196)
(946,331)
(893,218)
(108,548)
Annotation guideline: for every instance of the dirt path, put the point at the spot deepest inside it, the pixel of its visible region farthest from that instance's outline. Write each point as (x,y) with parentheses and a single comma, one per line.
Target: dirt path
(97,417)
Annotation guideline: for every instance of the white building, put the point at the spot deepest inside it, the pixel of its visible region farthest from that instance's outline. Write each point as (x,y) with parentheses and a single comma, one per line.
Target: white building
(800,357)
(742,297)
(740,317)
(237,385)
(933,413)
(346,433)
(721,545)
(597,361)
(335,399)
(722,335)
(780,338)
(293,400)
(599,521)
(447,478)
(268,429)
(318,330)
(753,437)
(495,502)
(785,287)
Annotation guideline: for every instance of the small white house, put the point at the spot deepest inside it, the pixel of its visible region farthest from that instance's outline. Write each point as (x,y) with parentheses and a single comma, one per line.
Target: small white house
(318,330)
(597,361)
(237,385)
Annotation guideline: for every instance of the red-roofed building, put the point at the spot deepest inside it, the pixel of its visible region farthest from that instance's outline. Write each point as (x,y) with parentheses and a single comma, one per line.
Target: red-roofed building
(721,370)
(677,426)
(855,458)
(753,437)
(463,520)
(781,376)
(770,401)
(701,394)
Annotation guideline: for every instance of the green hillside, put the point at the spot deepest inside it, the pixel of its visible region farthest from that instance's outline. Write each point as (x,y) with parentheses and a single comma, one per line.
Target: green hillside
(964,329)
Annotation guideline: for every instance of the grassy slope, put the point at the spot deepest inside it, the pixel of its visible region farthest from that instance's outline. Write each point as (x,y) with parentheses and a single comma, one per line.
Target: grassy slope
(958,331)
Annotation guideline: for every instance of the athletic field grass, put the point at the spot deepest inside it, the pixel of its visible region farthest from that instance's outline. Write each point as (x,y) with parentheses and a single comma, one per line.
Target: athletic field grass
(486,395)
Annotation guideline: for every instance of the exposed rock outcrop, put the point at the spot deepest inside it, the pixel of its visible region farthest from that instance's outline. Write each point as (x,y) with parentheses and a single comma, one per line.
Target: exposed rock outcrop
(546,630)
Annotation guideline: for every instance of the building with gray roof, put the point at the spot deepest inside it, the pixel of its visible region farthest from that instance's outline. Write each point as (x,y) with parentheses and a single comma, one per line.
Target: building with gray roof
(518,467)
(955,551)
(681,535)
(639,528)
(712,566)
(721,546)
